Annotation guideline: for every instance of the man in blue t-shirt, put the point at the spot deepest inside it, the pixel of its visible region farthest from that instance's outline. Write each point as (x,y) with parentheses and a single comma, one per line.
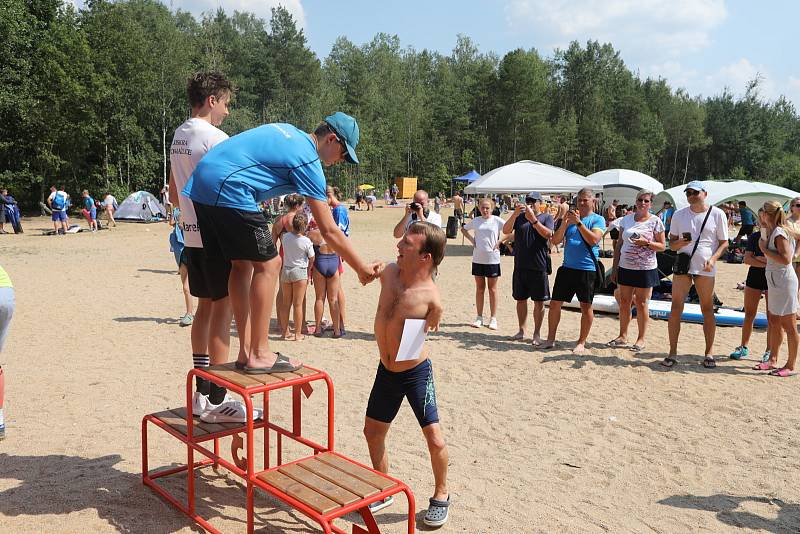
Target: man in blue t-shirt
(532,232)
(748,223)
(226,188)
(666,213)
(581,230)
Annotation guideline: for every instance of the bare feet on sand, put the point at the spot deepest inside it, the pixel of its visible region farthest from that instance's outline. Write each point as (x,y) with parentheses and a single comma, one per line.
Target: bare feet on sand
(548,344)
(536,341)
(580,348)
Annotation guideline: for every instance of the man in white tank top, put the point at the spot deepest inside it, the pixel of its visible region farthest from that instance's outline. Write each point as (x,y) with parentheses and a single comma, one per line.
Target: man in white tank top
(209,94)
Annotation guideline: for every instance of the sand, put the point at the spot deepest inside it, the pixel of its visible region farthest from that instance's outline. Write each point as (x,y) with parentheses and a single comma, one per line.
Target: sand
(539,441)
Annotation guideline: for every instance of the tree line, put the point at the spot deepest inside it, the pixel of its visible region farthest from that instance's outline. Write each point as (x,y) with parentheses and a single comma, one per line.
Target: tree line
(90,98)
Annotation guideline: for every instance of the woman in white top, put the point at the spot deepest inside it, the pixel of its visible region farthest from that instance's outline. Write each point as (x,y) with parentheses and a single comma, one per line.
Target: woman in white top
(487,234)
(778,245)
(635,267)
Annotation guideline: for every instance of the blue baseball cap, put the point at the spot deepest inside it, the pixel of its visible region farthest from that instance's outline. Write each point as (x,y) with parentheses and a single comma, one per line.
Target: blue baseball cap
(695,185)
(533,195)
(346,128)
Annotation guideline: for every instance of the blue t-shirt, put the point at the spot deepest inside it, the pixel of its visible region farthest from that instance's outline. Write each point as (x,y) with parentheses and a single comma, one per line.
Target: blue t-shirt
(342,219)
(665,217)
(748,217)
(265,162)
(576,255)
(88,203)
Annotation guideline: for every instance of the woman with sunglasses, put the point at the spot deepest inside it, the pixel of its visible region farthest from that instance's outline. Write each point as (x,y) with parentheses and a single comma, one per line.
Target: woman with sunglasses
(635,268)
(754,286)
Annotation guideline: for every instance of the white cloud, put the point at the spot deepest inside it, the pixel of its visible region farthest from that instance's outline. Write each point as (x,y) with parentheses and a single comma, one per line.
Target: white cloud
(260,8)
(640,28)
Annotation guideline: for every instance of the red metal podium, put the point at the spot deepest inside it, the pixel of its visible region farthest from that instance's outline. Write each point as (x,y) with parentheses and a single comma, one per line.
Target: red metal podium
(324,485)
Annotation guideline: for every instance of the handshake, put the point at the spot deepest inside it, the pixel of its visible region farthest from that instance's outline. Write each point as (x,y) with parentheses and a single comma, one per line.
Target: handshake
(373,270)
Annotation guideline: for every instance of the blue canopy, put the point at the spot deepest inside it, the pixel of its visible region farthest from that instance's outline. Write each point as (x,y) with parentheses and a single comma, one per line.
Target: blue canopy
(471,176)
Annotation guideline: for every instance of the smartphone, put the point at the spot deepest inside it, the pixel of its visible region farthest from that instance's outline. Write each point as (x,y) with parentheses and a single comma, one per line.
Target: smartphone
(687,236)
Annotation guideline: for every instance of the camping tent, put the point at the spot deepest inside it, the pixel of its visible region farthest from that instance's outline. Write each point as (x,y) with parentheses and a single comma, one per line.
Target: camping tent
(754,193)
(623,184)
(471,176)
(140,206)
(526,175)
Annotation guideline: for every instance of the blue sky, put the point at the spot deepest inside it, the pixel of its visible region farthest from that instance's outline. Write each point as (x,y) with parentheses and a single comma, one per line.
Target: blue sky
(700,45)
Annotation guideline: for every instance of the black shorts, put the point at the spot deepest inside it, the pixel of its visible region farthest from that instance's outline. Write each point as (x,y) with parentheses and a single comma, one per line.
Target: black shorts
(746,229)
(613,233)
(638,278)
(458,214)
(235,234)
(756,278)
(491,270)
(208,275)
(415,384)
(571,282)
(528,284)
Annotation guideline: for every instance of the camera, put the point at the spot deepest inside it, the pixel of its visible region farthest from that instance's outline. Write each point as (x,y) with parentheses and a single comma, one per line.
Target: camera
(687,236)
(415,206)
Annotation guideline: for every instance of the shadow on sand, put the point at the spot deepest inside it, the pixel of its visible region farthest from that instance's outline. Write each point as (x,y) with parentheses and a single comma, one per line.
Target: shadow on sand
(726,508)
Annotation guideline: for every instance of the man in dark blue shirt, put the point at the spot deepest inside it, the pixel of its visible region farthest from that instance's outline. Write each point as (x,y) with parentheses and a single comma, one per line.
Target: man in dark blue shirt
(532,232)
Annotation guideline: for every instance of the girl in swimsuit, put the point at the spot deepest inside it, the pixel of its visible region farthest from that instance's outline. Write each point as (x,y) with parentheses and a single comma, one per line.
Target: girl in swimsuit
(326,276)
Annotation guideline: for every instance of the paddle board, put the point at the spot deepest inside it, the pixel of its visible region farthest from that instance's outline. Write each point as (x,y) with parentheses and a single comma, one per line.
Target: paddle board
(661,309)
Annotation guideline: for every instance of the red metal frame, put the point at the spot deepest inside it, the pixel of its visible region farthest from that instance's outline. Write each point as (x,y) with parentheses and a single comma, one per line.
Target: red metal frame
(248,473)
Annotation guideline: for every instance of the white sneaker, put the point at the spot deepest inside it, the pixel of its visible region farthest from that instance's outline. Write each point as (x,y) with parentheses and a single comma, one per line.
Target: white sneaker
(199,403)
(493,324)
(228,411)
(478,322)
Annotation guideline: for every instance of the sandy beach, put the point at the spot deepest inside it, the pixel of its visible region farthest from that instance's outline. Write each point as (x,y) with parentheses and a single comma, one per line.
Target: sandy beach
(540,441)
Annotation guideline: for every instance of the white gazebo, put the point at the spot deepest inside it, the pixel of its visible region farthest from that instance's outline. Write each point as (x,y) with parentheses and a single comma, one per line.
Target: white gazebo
(526,175)
(754,193)
(623,185)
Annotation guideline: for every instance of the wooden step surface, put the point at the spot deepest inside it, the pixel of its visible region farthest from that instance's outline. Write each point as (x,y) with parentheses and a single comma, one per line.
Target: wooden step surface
(176,418)
(326,482)
(229,372)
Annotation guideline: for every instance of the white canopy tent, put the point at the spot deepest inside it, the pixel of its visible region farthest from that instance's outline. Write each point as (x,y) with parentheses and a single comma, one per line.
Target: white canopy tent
(526,175)
(754,193)
(624,184)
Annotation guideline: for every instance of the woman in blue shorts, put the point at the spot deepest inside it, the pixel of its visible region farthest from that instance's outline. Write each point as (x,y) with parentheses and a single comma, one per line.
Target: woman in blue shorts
(488,232)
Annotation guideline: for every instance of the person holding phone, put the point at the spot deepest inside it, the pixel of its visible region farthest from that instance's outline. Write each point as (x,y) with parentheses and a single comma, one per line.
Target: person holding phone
(635,268)
(701,231)
(532,231)
(417,210)
(581,232)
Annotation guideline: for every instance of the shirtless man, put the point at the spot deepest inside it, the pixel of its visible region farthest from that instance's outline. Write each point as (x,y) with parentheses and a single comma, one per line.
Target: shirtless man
(408,292)
(458,207)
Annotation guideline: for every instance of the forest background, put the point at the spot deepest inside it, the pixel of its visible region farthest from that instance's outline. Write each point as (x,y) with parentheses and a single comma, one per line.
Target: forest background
(90,99)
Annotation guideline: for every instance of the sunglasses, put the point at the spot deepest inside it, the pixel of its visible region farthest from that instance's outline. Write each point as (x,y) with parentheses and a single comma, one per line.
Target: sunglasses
(339,140)
(691,192)
(796,205)
(643,200)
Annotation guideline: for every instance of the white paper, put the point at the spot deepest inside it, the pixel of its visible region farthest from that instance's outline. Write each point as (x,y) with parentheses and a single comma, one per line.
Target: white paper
(412,340)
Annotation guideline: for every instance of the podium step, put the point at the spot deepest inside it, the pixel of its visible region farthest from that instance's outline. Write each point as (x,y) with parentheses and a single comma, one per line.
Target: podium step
(328,483)
(176,419)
